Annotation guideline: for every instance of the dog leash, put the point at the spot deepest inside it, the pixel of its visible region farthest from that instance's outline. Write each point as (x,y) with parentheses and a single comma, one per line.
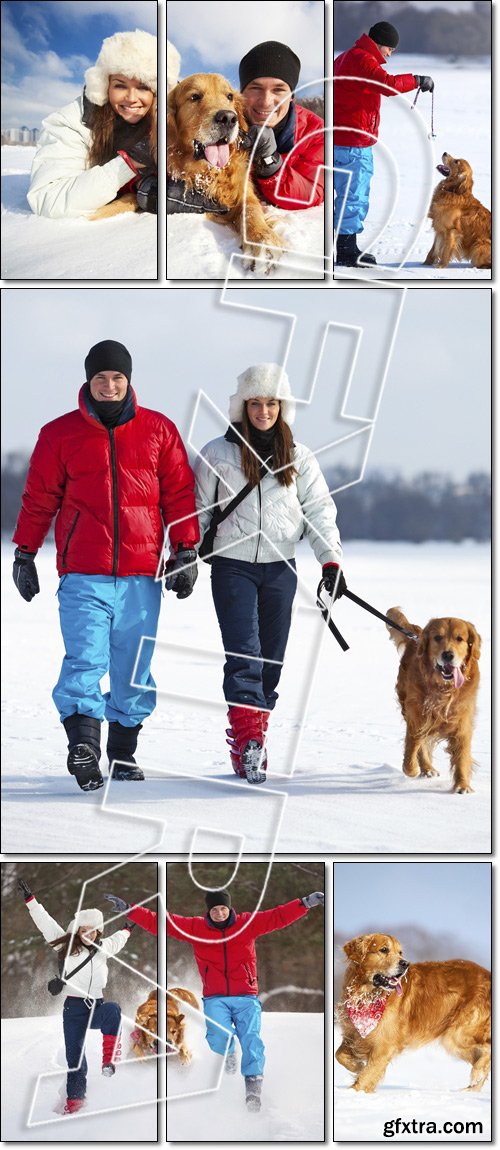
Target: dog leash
(432,134)
(325,612)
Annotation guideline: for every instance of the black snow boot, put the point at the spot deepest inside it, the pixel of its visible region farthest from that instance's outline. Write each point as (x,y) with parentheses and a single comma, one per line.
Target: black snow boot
(84,750)
(348,253)
(253,1087)
(122,742)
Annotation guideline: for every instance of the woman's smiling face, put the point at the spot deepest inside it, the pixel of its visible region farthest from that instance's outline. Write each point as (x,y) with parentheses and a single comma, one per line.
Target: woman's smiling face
(129,98)
(263,412)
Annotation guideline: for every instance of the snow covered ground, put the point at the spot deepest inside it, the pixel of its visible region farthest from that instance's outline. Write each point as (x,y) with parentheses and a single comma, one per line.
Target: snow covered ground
(335,745)
(41,249)
(405,161)
(200,249)
(203,1101)
(118,1109)
(425,1085)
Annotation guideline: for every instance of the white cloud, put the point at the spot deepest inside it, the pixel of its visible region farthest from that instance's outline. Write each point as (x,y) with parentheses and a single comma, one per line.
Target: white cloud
(127,14)
(222,33)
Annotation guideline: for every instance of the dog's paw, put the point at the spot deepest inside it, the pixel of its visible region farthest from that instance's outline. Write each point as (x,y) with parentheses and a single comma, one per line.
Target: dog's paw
(261,258)
(428,772)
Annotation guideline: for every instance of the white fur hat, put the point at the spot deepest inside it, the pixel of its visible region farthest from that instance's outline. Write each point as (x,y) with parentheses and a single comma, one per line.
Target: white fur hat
(92,918)
(267,379)
(173,66)
(130,54)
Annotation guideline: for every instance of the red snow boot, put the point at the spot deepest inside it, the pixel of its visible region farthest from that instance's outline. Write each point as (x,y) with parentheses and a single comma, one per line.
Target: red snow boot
(233,751)
(249,737)
(73,1104)
(111,1051)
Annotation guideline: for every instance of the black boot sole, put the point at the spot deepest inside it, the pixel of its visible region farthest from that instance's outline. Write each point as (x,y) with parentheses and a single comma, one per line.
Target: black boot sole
(83,764)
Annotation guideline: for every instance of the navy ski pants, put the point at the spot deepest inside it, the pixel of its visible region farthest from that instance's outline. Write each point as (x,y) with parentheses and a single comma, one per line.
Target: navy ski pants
(253,602)
(76,1014)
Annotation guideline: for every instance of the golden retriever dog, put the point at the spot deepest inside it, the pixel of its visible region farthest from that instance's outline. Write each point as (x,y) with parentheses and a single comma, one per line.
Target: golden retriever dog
(176,1022)
(437,686)
(205,128)
(144,1036)
(389,1005)
(461,223)
(127,202)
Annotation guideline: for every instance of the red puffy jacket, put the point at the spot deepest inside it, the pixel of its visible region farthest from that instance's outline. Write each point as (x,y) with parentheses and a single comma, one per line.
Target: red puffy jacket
(226,958)
(357,106)
(292,185)
(112,490)
(144,917)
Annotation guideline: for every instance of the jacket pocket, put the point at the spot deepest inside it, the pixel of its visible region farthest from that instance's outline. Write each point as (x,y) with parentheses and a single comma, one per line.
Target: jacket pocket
(68,539)
(251,981)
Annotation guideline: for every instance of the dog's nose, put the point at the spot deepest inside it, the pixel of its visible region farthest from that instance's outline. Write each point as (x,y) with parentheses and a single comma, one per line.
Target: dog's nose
(227,119)
(403,966)
(447,656)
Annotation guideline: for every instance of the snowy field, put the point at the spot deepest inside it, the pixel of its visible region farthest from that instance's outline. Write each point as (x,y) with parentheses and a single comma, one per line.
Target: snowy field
(118,1109)
(425,1085)
(335,745)
(37,248)
(201,1100)
(405,161)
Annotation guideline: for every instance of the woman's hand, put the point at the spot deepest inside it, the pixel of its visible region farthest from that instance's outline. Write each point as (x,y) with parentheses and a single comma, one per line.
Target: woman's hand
(23,886)
(333,579)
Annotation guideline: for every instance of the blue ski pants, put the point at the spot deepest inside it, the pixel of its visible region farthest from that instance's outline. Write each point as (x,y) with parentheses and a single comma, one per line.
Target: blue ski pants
(240,1014)
(76,1013)
(358,162)
(253,602)
(103,619)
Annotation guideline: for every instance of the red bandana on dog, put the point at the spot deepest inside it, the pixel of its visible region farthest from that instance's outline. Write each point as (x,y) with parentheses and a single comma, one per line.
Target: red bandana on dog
(366,1016)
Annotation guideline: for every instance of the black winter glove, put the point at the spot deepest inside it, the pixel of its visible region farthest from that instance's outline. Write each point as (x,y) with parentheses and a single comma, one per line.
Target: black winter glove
(425,83)
(183,199)
(119,904)
(23,886)
(334,580)
(140,152)
(316,899)
(147,193)
(181,573)
(25,575)
(266,158)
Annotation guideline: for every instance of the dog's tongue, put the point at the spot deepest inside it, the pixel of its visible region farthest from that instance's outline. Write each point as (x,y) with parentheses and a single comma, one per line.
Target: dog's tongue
(217,154)
(399,988)
(457,677)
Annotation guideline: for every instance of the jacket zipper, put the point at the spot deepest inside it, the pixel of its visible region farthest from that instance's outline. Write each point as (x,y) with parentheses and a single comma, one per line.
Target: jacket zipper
(72,528)
(115,500)
(259,496)
(224,943)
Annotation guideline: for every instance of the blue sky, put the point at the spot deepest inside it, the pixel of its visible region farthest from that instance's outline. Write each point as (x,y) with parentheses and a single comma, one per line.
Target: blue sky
(213,37)
(435,409)
(46,47)
(452,899)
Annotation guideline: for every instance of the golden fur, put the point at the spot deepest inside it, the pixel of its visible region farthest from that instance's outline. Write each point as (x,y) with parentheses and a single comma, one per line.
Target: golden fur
(461,223)
(191,124)
(146,1019)
(176,1020)
(448,1001)
(433,707)
(128,201)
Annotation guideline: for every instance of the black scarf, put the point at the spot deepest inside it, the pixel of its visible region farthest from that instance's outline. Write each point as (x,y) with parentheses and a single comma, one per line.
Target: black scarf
(107,410)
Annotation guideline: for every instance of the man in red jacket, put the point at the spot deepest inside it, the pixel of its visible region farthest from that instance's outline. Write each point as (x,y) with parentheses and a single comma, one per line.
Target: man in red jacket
(114,475)
(360,81)
(289,150)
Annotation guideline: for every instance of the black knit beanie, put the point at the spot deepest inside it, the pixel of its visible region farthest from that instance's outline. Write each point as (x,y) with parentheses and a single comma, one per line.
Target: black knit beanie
(218,898)
(108,356)
(385,34)
(270,59)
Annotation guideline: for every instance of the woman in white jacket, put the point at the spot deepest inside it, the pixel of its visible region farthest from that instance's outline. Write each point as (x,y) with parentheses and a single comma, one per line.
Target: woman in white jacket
(82,945)
(253,568)
(103,143)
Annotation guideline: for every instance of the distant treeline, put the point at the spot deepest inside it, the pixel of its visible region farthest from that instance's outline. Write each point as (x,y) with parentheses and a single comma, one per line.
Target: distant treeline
(428,506)
(428,30)
(314,104)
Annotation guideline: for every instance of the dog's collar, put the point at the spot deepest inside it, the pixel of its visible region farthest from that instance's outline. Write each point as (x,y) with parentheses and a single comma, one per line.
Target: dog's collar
(365,1016)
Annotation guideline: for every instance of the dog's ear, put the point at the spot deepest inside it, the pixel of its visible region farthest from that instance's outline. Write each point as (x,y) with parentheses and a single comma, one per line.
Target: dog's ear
(239,105)
(356,948)
(423,641)
(474,641)
(180,1017)
(171,118)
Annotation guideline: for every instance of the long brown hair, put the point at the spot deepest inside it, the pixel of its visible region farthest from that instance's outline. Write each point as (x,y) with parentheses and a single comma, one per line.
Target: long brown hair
(281,448)
(101,122)
(76,946)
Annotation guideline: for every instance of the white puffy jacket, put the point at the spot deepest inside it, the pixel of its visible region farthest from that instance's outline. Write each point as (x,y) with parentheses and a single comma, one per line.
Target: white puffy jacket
(89,982)
(267,524)
(61,184)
